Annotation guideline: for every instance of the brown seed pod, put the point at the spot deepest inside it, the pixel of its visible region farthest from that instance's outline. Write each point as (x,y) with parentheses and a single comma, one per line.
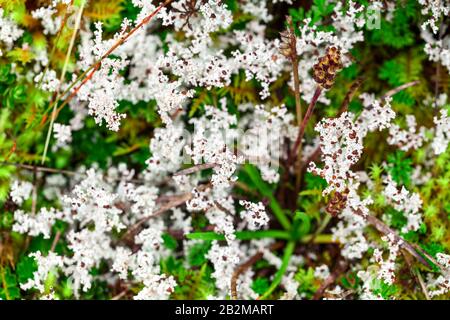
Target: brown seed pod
(324,72)
(286,44)
(337,203)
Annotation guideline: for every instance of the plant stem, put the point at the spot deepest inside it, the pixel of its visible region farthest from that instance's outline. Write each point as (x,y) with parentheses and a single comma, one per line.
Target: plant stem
(349,95)
(294,60)
(302,128)
(58,36)
(195,168)
(279,275)
(5,285)
(396,90)
(63,73)
(241,235)
(92,68)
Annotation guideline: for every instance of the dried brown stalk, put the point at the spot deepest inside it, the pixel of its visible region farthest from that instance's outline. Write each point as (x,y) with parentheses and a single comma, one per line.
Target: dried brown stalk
(302,127)
(176,201)
(195,168)
(342,265)
(394,91)
(349,95)
(288,48)
(55,241)
(416,274)
(384,229)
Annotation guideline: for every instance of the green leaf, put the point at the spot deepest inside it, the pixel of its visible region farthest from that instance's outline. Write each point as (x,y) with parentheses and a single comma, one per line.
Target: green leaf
(25,268)
(288,251)
(196,256)
(260,285)
(9,289)
(400,167)
(169,241)
(301,225)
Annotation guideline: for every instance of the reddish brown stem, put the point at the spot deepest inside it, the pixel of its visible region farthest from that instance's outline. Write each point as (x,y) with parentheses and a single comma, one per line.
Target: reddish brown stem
(119,42)
(302,128)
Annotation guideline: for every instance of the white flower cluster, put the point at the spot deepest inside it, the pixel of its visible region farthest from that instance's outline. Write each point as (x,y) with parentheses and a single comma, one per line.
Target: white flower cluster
(45,14)
(94,203)
(442,133)
(104,88)
(62,134)
(166,148)
(407,202)
(265,131)
(89,249)
(225,259)
(437,9)
(255,214)
(374,116)
(48,80)
(157,287)
(9,32)
(349,232)
(322,272)
(341,146)
(368,278)
(407,139)
(438,50)
(387,267)
(46,264)
(211,143)
(260,59)
(34,225)
(20,191)
(441,284)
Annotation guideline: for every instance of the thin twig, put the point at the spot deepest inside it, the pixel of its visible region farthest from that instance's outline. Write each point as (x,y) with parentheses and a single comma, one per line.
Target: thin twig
(302,128)
(241,269)
(341,267)
(416,274)
(422,284)
(55,241)
(394,91)
(349,95)
(38,168)
(294,60)
(384,229)
(97,63)
(173,203)
(63,73)
(195,168)
(120,295)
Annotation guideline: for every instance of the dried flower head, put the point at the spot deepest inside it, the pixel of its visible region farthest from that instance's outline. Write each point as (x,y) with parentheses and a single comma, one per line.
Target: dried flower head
(324,72)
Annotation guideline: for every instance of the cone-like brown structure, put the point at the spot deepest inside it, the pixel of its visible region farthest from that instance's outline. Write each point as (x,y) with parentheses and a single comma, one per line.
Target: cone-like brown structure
(324,72)
(287,46)
(337,203)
